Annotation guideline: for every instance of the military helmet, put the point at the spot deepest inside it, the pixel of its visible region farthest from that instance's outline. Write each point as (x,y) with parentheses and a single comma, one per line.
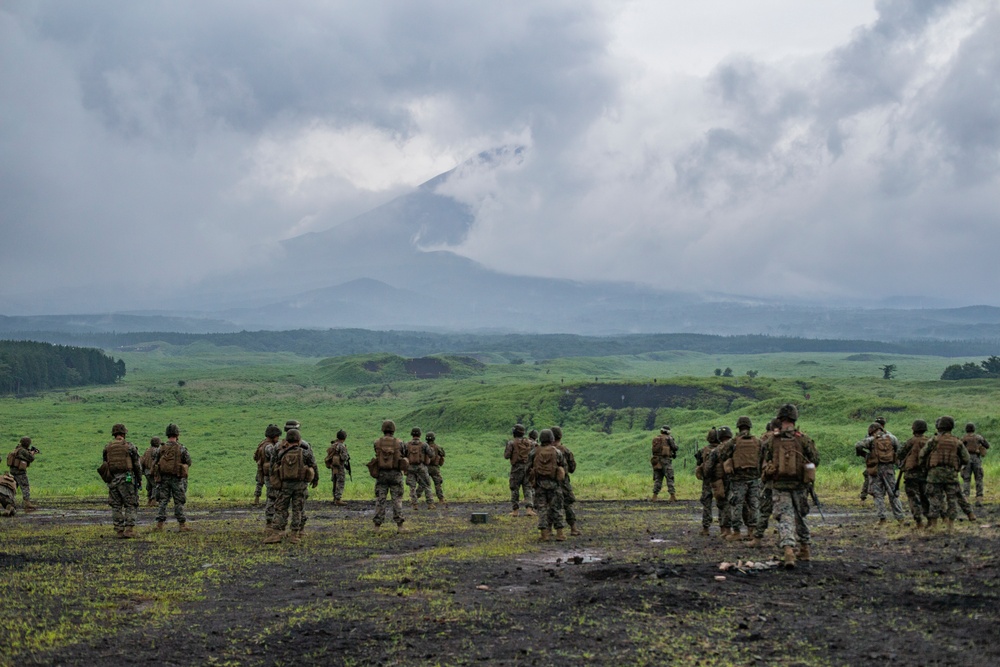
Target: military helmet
(919,426)
(557,433)
(25,441)
(744,424)
(272,431)
(533,434)
(874,428)
(945,423)
(880,421)
(388,426)
(665,430)
(155,442)
(970,428)
(173,431)
(293,435)
(788,412)
(118,429)
(725,433)
(341,434)
(415,432)
(546,437)
(430,436)
(518,430)
(292,423)
(713,436)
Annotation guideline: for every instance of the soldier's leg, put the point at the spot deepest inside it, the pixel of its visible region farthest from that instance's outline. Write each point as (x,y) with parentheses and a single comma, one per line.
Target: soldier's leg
(281,507)
(706,505)
(785,519)
(668,475)
(21,478)
(270,499)
(935,501)
(766,507)
(435,475)
(411,481)
(425,485)
(117,508)
(967,477)
(723,508)
(260,485)
(864,485)
(977,470)
(961,501)
(396,491)
(180,499)
(913,499)
(164,495)
(381,490)
(876,489)
(131,509)
(542,498)
(953,492)
(657,480)
(515,486)
(556,509)
(734,502)
(338,486)
(298,506)
(801,504)
(752,505)
(529,493)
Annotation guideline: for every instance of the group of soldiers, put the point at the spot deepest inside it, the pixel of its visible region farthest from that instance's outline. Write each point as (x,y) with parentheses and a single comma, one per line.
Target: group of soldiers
(929,467)
(18,461)
(540,469)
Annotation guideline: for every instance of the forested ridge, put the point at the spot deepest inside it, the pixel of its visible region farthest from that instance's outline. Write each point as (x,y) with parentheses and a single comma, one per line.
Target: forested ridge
(29,366)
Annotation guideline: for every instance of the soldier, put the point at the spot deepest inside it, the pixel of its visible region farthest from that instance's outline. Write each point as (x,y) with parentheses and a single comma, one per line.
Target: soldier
(766,491)
(419,455)
(390,463)
(943,457)
(18,460)
(262,455)
(125,473)
(338,460)
(664,452)
(8,489)
(976,446)
(148,456)
(533,437)
(547,467)
(569,498)
(434,467)
(914,475)
(790,459)
(867,483)
(293,469)
(880,450)
(704,460)
(170,471)
(741,460)
(517,451)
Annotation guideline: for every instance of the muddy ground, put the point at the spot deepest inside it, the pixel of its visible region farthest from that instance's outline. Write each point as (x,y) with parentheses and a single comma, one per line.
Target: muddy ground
(638,587)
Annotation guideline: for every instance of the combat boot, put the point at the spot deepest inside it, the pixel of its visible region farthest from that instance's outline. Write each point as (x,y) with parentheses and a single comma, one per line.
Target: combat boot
(754,542)
(530,512)
(972,516)
(443,503)
(672,498)
(414,505)
(560,535)
(158,528)
(130,532)
(401,529)
(544,535)
(256,501)
(724,532)
(515,513)
(654,498)
(120,533)
(431,505)
(931,524)
(295,536)
(704,530)
(29,506)
(275,537)
(734,536)
(573,530)
(804,554)
(789,559)
(151,503)
(184,528)
(950,524)
(339,502)
(918,524)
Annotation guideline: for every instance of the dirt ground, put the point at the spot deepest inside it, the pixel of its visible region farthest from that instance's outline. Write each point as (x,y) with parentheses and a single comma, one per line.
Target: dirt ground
(640,586)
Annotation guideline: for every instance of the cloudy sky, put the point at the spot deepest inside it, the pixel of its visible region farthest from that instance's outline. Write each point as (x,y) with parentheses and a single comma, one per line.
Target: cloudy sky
(835,149)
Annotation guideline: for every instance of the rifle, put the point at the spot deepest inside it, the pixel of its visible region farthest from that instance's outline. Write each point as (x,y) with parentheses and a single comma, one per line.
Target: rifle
(812,494)
(892,491)
(898,477)
(347,467)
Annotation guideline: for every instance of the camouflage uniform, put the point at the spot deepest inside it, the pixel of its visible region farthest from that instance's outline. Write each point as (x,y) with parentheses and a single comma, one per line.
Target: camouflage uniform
(791,503)
(172,487)
(267,449)
(293,492)
(547,491)
(389,483)
(416,477)
(914,476)
(743,496)
(766,491)
(8,487)
(664,451)
(434,467)
(123,489)
(146,461)
(881,474)
(338,474)
(518,479)
(23,456)
(944,493)
(568,497)
(711,470)
(976,445)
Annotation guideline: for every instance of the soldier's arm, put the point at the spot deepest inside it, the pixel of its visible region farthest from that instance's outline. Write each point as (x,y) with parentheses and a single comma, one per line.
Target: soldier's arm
(963,455)
(811,452)
(863,447)
(904,450)
(509,449)
(185,456)
(343,454)
(673,447)
(983,443)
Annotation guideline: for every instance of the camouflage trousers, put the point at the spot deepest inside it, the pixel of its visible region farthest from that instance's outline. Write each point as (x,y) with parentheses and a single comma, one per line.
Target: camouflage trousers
(916,496)
(7,502)
(419,482)
(974,468)
(291,497)
(790,510)
(124,500)
(21,477)
(945,499)
(434,472)
(865,484)
(339,479)
(389,483)
(261,483)
(743,501)
(706,506)
(518,481)
(665,473)
(765,509)
(151,488)
(270,498)
(549,505)
(172,488)
(568,500)
(880,485)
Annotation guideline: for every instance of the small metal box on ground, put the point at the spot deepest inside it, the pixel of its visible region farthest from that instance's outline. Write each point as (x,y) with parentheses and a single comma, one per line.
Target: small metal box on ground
(480,517)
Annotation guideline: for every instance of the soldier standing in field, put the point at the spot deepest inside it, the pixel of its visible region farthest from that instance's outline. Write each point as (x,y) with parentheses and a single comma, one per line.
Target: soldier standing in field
(18,460)
(262,455)
(419,455)
(942,457)
(766,490)
(712,485)
(338,460)
(388,467)
(741,460)
(547,467)
(170,470)
(664,452)
(293,469)
(125,473)
(880,450)
(790,459)
(517,450)
(569,498)
(434,467)
(914,475)
(976,445)
(146,461)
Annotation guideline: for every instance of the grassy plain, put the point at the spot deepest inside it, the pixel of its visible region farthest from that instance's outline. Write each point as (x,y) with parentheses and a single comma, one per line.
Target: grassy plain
(222,398)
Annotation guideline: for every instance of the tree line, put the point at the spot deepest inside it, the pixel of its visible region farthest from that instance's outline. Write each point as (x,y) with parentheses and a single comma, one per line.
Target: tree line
(988,368)
(28,366)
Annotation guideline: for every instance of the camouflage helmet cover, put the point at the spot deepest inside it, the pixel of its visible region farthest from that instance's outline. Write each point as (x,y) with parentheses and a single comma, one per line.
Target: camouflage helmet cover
(118,429)
(556,433)
(874,428)
(341,434)
(415,432)
(272,431)
(388,426)
(173,431)
(713,436)
(430,437)
(293,435)
(546,436)
(970,428)
(518,430)
(725,433)
(788,412)
(919,426)
(945,423)
(744,424)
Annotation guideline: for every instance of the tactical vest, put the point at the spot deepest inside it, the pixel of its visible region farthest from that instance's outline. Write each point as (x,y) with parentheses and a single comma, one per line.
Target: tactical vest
(8,481)
(12,459)
(882,450)
(119,460)
(437,455)
(387,453)
(292,465)
(332,460)
(971,442)
(945,452)
(911,462)
(788,457)
(546,462)
(415,452)
(661,446)
(170,459)
(147,458)
(519,452)
(746,453)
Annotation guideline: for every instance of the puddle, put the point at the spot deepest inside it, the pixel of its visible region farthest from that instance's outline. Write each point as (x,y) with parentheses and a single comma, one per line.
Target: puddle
(565,557)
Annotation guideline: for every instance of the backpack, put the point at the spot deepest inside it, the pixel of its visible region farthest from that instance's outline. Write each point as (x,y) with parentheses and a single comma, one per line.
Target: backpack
(971,442)
(258,454)
(546,462)
(387,453)
(520,450)
(415,452)
(912,457)
(788,459)
(292,466)
(332,459)
(882,449)
(437,458)
(170,459)
(746,453)
(119,460)
(12,459)
(945,452)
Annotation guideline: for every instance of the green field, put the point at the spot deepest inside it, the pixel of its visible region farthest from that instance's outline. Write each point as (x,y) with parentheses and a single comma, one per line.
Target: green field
(223,398)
